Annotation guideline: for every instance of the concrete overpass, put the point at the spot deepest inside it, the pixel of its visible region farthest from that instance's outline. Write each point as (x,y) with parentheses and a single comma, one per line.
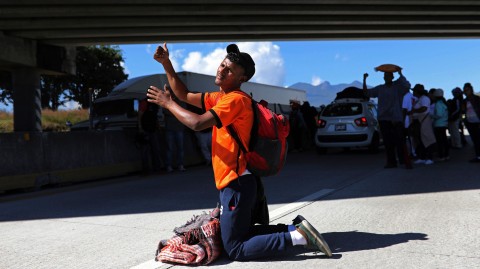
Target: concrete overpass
(38,36)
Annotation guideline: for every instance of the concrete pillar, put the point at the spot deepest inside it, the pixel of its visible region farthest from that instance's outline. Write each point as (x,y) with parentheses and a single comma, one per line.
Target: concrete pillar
(27,106)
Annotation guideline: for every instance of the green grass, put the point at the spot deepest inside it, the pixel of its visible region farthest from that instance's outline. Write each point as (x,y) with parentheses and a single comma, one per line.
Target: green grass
(52,121)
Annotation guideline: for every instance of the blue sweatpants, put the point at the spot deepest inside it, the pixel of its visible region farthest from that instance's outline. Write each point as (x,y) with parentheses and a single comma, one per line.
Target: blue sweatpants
(241,240)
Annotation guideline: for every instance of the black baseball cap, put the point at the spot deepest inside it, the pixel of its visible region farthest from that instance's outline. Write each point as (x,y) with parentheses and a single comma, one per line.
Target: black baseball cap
(244,60)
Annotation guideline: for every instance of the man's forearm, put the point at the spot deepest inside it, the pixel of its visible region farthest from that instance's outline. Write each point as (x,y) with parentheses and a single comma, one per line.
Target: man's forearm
(404,82)
(175,83)
(365,89)
(192,120)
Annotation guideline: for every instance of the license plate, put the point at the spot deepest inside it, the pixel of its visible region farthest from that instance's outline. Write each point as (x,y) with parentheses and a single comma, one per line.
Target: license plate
(340,127)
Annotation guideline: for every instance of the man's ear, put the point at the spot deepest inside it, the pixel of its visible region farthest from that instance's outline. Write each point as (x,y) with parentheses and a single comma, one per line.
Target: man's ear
(243,79)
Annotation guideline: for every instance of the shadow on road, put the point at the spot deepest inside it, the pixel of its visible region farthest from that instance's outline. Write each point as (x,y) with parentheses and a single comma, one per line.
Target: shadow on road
(353,175)
(340,242)
(355,241)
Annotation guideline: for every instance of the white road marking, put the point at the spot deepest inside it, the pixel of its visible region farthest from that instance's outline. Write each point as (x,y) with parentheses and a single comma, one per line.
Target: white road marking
(152,264)
(274,215)
(302,202)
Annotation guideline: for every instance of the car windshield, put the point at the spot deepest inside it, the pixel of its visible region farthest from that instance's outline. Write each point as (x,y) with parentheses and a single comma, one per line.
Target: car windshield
(342,109)
(114,107)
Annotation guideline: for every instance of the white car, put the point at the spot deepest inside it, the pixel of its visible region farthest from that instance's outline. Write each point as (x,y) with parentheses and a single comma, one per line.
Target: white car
(348,123)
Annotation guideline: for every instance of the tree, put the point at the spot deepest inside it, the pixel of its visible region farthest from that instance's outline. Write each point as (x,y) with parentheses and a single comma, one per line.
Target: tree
(53,90)
(5,87)
(98,68)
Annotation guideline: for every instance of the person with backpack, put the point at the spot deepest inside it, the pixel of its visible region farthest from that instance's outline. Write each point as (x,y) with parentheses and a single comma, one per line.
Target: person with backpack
(238,187)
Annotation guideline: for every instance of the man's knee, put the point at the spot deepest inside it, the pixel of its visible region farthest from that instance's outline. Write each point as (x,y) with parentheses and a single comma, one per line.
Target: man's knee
(234,253)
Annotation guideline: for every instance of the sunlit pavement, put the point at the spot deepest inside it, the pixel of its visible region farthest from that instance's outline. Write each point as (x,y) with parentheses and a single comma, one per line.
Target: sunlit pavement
(427,217)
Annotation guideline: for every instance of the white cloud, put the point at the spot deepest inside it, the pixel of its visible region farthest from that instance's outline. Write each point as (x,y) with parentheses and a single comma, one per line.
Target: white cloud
(175,57)
(269,63)
(70,105)
(341,57)
(204,64)
(6,108)
(316,81)
(125,68)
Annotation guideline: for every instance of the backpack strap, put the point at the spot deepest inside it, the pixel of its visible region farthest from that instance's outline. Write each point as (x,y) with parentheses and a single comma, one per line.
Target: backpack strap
(254,130)
(235,136)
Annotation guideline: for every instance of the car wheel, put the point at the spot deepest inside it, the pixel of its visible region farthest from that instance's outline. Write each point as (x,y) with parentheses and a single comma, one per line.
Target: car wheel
(373,147)
(321,150)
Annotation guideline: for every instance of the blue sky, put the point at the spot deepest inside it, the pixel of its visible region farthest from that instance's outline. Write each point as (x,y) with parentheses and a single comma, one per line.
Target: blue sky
(435,63)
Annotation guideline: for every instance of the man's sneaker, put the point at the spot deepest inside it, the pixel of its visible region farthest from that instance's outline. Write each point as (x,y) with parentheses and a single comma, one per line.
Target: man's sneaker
(181,168)
(428,162)
(314,238)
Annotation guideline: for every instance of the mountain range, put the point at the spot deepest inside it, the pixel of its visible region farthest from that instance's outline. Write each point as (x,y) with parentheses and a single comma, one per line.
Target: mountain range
(324,93)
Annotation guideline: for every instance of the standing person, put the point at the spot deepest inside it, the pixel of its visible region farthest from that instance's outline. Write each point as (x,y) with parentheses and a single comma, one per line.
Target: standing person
(174,132)
(471,106)
(440,125)
(230,106)
(309,112)
(148,137)
(454,117)
(432,101)
(319,113)
(298,127)
(422,126)
(204,138)
(407,106)
(390,116)
(204,141)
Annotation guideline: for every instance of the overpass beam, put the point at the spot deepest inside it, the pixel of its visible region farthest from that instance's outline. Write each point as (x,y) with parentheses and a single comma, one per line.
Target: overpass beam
(49,59)
(27,60)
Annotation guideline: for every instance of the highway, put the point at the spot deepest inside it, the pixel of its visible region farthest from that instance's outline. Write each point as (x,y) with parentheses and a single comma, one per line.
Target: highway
(426,217)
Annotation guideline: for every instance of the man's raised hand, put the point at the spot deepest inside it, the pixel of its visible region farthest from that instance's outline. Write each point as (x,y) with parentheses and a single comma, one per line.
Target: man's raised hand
(161,54)
(159,96)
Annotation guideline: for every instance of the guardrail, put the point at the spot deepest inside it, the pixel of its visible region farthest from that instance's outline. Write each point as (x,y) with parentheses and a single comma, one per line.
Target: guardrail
(34,160)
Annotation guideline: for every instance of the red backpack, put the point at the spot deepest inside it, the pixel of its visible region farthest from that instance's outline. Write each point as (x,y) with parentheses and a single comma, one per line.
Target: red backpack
(268,146)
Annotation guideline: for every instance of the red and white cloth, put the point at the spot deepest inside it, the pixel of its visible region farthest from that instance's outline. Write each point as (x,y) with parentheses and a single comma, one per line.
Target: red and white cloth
(200,246)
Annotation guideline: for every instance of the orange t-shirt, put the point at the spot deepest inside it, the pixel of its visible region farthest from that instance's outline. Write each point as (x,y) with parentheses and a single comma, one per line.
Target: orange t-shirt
(233,108)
